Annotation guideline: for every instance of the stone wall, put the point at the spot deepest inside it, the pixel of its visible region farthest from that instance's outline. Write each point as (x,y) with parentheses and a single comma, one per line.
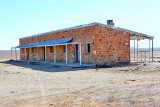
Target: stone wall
(83,35)
(113,46)
(108,46)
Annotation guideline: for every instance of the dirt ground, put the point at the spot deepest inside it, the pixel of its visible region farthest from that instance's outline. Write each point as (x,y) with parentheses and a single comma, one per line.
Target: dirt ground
(42,85)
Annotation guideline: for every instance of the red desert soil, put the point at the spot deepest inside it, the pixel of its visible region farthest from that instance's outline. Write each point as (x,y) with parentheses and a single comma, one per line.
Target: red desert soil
(41,85)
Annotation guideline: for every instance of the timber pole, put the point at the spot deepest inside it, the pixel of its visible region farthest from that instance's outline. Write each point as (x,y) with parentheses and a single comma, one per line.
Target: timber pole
(145,56)
(31,53)
(55,54)
(66,53)
(11,54)
(80,55)
(141,55)
(37,54)
(149,50)
(25,54)
(16,53)
(134,50)
(137,49)
(45,55)
(152,49)
(20,53)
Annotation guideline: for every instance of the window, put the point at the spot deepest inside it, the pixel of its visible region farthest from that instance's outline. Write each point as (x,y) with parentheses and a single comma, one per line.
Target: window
(32,50)
(64,48)
(88,47)
(22,50)
(51,49)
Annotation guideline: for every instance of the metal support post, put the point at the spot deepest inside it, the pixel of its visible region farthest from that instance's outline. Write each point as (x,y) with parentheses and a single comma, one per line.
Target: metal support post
(66,54)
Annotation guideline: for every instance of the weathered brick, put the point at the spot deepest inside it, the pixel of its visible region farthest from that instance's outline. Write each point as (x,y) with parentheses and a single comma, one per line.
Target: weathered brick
(109,45)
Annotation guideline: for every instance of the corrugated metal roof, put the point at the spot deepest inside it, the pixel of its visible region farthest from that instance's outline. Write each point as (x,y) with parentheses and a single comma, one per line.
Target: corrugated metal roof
(91,24)
(126,30)
(45,43)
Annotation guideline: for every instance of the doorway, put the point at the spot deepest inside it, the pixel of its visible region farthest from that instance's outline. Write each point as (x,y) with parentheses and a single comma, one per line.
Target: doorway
(76,52)
(27,53)
(43,53)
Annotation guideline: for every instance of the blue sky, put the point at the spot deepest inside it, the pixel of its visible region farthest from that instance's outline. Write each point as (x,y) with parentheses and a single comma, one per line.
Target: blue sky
(20,18)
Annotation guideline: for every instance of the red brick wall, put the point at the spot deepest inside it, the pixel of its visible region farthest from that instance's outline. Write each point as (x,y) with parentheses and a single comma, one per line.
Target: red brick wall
(107,45)
(83,35)
(113,46)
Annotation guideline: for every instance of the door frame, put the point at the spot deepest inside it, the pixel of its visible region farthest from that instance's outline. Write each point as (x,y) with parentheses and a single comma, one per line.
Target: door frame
(76,52)
(27,53)
(43,54)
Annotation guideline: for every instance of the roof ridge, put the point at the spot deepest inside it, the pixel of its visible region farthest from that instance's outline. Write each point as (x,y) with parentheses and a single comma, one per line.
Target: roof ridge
(91,24)
(73,27)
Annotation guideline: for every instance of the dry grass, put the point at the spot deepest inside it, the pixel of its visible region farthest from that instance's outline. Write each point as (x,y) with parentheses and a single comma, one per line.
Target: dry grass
(42,85)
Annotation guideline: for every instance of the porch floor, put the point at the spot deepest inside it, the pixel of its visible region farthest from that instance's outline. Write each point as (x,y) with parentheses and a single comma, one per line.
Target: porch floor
(69,64)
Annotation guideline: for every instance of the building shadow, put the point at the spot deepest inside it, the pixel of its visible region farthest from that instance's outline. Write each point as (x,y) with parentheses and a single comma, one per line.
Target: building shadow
(45,67)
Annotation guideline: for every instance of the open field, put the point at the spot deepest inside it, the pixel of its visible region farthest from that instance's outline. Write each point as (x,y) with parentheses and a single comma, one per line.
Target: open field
(41,85)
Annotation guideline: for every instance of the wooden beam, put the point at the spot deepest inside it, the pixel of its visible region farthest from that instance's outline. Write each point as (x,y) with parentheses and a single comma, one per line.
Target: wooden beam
(149,50)
(80,55)
(31,53)
(66,53)
(45,55)
(145,56)
(152,49)
(134,50)
(54,54)
(37,54)
(137,50)
(20,53)
(138,37)
(141,56)
(11,54)
(25,54)
(16,53)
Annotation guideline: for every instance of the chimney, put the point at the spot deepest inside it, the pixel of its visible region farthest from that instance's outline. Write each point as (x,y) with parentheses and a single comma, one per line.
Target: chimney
(110,22)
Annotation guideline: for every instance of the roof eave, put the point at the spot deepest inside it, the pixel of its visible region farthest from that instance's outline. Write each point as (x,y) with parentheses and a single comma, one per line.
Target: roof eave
(92,24)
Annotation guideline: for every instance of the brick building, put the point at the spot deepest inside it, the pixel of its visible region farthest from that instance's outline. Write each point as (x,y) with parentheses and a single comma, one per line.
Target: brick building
(92,43)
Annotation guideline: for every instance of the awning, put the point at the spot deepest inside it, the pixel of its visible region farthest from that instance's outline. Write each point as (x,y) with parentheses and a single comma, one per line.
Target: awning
(45,43)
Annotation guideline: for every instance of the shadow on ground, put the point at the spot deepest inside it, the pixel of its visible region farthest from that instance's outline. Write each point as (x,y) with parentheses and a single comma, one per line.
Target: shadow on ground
(54,68)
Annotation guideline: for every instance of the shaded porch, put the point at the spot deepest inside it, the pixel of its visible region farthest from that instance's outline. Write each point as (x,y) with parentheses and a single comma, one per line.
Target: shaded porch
(28,56)
(141,55)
